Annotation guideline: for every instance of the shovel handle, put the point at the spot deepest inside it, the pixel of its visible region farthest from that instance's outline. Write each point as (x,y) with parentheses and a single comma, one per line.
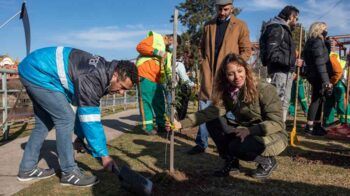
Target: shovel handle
(115,169)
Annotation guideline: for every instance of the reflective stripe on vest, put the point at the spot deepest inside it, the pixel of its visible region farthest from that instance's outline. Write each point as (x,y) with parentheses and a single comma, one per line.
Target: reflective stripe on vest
(158,43)
(60,67)
(165,74)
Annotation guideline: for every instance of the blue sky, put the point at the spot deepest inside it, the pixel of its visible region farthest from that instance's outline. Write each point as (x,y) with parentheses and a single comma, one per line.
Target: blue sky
(112,28)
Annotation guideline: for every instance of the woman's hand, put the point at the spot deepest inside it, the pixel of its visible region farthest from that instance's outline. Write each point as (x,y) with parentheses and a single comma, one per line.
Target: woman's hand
(176,125)
(242,132)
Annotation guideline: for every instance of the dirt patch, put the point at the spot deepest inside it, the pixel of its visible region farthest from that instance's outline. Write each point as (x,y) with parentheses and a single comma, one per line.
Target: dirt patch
(170,178)
(303,160)
(178,175)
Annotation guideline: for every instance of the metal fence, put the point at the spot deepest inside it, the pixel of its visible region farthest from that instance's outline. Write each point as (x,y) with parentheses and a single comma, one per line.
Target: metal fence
(23,110)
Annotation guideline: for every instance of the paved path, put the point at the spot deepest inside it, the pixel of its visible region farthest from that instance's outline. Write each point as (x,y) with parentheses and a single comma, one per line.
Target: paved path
(11,153)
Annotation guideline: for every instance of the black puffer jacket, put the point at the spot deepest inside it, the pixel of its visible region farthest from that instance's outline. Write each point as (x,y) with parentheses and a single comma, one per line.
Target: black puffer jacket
(280,47)
(316,57)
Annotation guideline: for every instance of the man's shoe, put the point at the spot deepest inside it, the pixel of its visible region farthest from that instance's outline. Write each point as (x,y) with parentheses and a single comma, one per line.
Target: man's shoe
(36,173)
(264,170)
(308,129)
(196,150)
(231,167)
(78,178)
(318,130)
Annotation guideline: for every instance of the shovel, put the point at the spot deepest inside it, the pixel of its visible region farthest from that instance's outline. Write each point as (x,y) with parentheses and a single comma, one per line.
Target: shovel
(130,180)
(293,133)
(133,181)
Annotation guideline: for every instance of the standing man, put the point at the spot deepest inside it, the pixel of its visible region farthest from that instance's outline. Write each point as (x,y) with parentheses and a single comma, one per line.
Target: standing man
(336,102)
(154,68)
(55,78)
(222,35)
(278,52)
(186,86)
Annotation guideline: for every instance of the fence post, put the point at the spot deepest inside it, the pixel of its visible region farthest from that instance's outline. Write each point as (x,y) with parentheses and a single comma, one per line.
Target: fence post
(113,102)
(125,100)
(137,98)
(4,106)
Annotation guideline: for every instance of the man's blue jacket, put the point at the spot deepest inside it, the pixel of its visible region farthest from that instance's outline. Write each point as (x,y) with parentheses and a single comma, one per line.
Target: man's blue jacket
(82,77)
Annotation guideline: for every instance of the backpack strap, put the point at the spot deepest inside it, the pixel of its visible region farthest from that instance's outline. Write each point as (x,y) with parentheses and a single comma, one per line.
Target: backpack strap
(282,33)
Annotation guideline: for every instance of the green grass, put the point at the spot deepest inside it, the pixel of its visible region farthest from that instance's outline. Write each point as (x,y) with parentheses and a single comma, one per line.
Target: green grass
(318,166)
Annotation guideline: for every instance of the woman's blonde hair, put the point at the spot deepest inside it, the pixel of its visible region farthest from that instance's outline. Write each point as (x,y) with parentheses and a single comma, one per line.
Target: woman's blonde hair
(222,85)
(316,30)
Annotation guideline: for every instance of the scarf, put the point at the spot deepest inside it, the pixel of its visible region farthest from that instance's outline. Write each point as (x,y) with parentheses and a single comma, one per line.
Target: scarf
(233,92)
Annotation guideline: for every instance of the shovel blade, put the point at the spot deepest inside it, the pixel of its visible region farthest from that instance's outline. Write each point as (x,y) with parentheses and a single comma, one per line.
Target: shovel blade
(293,137)
(135,182)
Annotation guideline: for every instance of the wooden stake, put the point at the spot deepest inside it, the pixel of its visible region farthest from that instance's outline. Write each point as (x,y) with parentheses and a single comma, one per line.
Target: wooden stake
(173,82)
(293,133)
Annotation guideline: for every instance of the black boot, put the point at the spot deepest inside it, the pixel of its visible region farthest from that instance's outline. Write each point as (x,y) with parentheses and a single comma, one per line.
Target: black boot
(196,150)
(319,130)
(309,129)
(265,167)
(231,167)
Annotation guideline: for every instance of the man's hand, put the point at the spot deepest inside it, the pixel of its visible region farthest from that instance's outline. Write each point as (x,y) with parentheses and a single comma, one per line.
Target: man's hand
(108,163)
(299,62)
(242,132)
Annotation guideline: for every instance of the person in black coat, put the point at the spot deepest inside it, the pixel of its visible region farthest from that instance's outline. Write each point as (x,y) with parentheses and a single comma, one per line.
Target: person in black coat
(316,56)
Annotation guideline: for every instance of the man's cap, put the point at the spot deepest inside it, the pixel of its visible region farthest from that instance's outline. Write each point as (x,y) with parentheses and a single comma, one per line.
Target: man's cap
(223,2)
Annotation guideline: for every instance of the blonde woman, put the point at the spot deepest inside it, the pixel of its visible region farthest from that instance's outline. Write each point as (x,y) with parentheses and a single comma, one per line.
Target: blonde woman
(252,129)
(316,56)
